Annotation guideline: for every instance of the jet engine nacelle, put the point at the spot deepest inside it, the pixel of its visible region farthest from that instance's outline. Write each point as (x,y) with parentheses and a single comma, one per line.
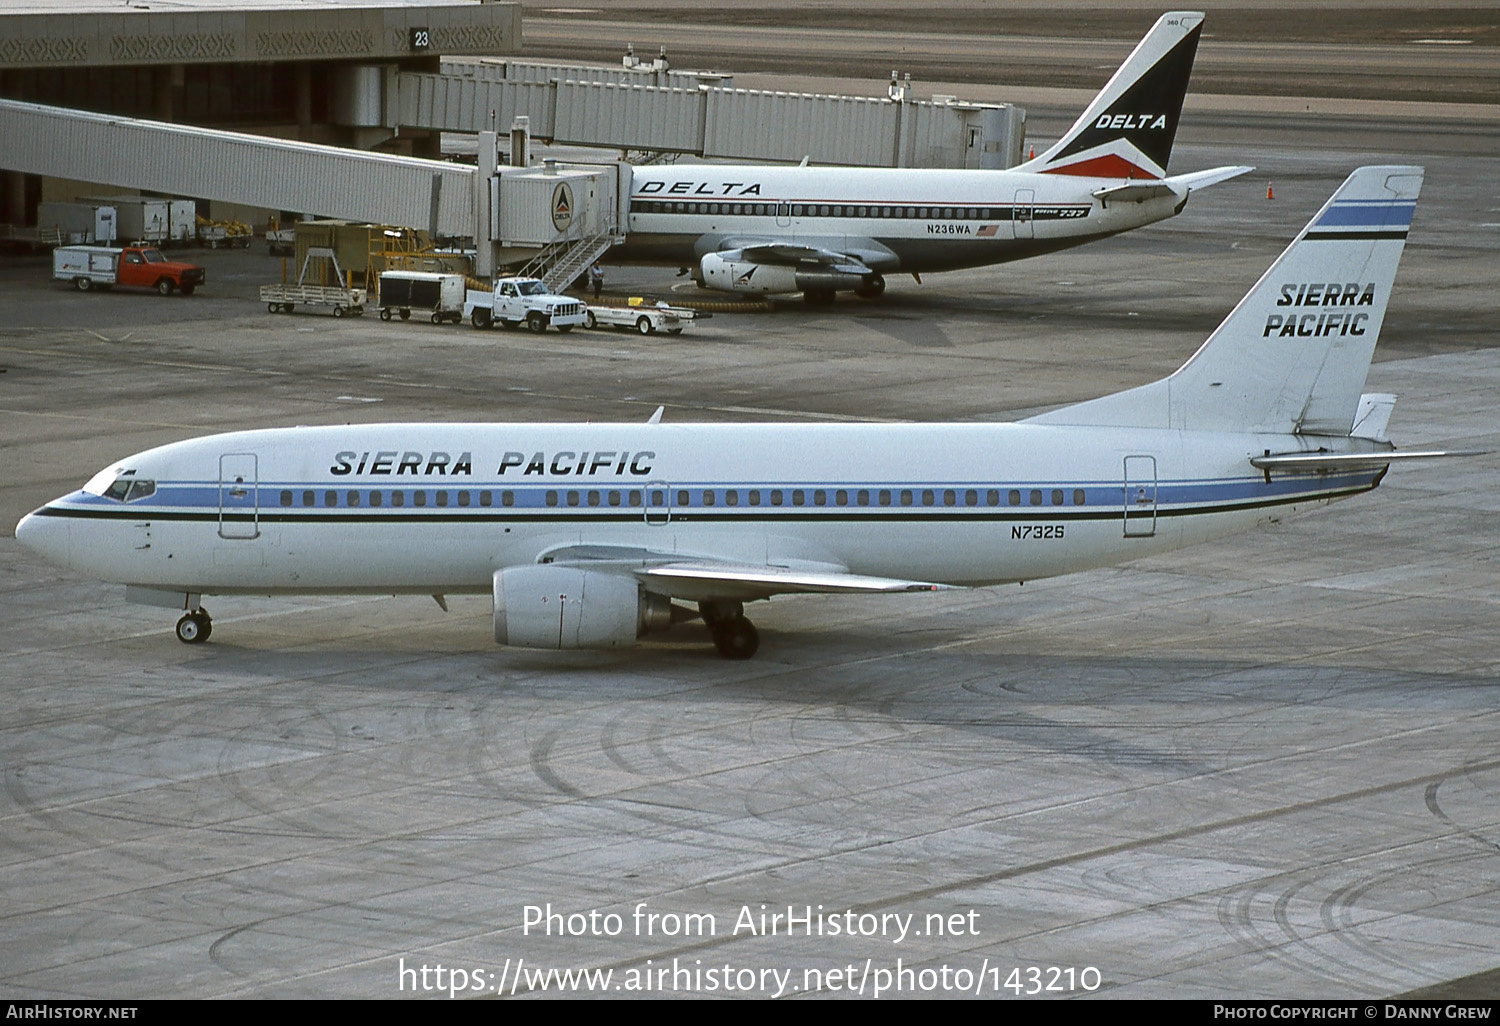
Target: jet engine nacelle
(723,271)
(545,606)
(717,272)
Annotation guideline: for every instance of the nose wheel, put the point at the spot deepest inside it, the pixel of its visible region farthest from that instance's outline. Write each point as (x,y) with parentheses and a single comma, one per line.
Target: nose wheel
(195,627)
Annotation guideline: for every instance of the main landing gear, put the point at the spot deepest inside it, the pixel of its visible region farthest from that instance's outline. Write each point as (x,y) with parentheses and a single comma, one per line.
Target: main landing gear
(195,627)
(734,636)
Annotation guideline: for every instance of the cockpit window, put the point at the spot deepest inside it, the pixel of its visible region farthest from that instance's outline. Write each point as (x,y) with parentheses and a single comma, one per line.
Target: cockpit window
(128,489)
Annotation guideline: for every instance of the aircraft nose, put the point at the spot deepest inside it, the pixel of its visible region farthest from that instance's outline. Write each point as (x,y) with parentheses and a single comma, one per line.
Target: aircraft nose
(46,536)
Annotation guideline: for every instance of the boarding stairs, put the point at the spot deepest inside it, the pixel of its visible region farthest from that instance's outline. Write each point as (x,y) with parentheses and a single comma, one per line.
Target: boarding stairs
(560,264)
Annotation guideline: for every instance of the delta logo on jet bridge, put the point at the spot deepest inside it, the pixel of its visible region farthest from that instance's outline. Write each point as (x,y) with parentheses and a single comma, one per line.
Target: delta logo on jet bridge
(1321,325)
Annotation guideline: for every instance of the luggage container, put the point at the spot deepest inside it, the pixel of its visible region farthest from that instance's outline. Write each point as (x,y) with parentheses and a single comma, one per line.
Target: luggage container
(439,295)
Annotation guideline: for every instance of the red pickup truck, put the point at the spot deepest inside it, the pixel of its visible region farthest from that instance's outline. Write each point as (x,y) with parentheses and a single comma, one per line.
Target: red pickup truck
(144,267)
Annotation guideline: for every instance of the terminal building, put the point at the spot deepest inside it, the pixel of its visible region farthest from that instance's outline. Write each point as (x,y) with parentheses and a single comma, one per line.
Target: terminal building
(285,69)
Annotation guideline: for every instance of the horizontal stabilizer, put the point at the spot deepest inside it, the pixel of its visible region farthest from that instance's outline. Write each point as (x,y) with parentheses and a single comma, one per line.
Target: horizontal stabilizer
(1177,185)
(1213,176)
(1332,462)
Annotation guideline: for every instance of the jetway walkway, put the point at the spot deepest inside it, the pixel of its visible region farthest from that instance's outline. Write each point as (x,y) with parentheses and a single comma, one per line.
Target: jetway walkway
(511,213)
(277,174)
(690,114)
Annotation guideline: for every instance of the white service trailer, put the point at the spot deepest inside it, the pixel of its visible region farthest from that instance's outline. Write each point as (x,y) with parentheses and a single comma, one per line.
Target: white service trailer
(79,223)
(182,221)
(139,218)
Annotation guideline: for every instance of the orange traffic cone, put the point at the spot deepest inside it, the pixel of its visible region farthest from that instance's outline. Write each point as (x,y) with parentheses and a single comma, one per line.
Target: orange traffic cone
(1031,154)
(1268,191)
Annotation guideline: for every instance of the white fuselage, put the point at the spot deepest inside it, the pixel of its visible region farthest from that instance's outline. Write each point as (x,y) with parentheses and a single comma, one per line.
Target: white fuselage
(438,508)
(894,219)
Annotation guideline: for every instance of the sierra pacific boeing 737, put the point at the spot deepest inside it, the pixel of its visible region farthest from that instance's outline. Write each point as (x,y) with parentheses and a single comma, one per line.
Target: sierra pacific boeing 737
(767,229)
(591,535)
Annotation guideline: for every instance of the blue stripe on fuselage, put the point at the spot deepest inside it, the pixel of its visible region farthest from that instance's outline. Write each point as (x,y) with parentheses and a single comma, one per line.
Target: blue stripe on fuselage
(200,499)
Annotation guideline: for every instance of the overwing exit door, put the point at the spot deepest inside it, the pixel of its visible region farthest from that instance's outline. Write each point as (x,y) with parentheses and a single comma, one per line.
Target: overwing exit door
(658,503)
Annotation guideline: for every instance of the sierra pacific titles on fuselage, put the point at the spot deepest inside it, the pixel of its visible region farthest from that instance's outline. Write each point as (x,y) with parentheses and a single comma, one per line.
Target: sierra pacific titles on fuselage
(563,463)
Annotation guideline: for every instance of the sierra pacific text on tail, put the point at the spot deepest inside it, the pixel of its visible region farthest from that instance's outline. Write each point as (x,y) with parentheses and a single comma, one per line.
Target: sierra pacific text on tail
(821,230)
(593,535)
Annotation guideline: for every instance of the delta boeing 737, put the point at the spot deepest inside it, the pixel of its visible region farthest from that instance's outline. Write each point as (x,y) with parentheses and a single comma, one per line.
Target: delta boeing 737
(592,535)
(820,230)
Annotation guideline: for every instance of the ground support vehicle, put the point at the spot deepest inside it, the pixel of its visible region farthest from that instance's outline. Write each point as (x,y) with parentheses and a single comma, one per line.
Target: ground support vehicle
(285,298)
(647,320)
(216,236)
(33,237)
(518,301)
(90,267)
(441,296)
(282,242)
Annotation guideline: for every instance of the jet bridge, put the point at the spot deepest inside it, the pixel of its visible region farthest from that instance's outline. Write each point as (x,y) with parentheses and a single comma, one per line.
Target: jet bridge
(510,213)
(578,105)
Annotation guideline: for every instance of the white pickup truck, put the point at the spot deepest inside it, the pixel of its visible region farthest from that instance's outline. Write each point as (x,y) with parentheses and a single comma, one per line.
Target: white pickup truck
(518,301)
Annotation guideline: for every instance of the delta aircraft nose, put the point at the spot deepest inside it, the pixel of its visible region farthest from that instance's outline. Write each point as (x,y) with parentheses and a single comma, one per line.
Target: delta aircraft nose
(46,536)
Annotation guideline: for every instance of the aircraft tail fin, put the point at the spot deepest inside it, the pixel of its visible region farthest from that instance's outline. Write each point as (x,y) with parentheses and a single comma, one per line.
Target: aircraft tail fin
(1292,356)
(1127,131)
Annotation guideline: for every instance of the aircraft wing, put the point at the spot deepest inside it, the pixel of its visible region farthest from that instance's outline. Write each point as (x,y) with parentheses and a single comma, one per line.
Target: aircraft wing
(1176,185)
(792,254)
(742,580)
(696,578)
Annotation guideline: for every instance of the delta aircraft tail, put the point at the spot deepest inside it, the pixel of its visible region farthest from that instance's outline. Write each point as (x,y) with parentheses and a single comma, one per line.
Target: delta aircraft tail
(1292,356)
(1127,131)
